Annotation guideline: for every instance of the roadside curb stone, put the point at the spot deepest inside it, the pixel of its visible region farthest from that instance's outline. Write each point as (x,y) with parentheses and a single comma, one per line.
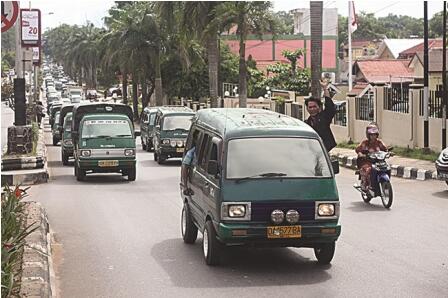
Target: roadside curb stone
(37,277)
(396,170)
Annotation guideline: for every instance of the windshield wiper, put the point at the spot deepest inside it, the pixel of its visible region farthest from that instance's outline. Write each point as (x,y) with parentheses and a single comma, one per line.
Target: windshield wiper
(264,175)
(97,137)
(121,136)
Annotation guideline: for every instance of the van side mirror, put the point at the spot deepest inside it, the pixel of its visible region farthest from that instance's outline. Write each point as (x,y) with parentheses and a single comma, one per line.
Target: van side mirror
(212,167)
(335,165)
(158,127)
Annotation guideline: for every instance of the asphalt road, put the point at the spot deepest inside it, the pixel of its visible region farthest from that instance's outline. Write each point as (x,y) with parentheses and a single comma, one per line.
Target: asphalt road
(121,239)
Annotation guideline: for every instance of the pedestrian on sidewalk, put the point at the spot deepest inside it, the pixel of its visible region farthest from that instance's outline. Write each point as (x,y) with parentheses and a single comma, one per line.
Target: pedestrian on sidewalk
(39,112)
(320,120)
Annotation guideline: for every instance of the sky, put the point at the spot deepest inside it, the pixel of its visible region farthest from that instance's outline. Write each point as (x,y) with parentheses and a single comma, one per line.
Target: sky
(79,11)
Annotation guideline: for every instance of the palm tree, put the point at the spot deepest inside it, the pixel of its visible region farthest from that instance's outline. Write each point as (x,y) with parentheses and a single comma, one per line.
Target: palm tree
(316,10)
(249,17)
(200,19)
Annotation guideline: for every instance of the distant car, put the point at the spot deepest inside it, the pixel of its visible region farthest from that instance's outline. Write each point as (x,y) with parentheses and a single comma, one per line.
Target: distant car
(91,94)
(75,99)
(442,165)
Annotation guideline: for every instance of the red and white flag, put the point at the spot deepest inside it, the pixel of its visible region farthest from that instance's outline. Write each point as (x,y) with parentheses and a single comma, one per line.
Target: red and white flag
(353,24)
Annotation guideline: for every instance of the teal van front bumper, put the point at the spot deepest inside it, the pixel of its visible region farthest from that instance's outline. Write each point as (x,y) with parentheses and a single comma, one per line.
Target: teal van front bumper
(94,165)
(256,234)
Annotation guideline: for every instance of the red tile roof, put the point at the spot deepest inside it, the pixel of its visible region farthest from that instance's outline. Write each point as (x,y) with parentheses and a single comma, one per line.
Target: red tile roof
(377,70)
(432,43)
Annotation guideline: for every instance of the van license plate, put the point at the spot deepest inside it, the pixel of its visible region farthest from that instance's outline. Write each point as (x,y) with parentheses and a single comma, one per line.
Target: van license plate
(108,163)
(284,232)
(180,150)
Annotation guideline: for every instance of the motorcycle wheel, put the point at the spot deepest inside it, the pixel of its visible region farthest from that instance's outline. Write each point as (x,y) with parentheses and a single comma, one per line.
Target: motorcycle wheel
(366,198)
(386,194)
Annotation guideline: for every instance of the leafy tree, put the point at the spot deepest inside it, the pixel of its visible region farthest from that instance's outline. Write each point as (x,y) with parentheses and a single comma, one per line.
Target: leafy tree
(436,25)
(284,22)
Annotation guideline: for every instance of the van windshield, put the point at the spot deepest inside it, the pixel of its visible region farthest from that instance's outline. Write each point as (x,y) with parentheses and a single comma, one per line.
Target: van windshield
(285,157)
(68,123)
(106,128)
(177,122)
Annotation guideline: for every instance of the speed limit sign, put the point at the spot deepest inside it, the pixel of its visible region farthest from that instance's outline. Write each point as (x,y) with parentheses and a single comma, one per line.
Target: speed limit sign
(30,27)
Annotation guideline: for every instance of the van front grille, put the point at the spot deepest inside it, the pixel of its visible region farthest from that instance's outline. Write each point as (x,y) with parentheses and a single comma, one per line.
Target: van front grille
(261,211)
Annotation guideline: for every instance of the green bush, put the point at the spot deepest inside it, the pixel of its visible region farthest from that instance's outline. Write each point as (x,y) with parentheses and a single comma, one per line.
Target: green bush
(14,232)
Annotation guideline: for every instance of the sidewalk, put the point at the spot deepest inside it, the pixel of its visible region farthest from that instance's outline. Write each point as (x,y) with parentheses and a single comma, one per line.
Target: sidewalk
(401,167)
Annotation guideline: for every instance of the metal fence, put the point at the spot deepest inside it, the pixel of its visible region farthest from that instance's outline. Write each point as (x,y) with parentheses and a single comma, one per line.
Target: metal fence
(396,99)
(231,88)
(435,102)
(297,111)
(340,118)
(364,107)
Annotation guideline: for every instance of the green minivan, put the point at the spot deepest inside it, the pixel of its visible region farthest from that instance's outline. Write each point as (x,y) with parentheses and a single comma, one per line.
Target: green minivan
(65,128)
(103,140)
(258,178)
(172,125)
(147,127)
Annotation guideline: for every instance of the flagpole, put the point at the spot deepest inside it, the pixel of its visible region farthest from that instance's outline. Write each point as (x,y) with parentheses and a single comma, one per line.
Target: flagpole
(349,49)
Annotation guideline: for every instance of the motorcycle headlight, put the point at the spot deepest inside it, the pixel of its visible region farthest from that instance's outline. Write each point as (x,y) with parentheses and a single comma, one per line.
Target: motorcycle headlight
(166,142)
(85,153)
(173,143)
(277,216)
(129,152)
(292,216)
(180,143)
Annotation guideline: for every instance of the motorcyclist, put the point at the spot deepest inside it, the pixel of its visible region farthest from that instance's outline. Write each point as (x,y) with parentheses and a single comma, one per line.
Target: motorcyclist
(371,145)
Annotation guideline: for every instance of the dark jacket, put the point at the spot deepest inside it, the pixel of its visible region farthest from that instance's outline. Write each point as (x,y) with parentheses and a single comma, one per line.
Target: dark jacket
(321,123)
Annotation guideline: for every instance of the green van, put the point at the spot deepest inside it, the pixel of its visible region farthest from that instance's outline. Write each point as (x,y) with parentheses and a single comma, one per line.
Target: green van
(258,178)
(170,132)
(65,128)
(103,140)
(147,127)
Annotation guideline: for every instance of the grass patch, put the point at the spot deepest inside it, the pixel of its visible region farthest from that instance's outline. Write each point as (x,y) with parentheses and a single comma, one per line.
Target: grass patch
(417,153)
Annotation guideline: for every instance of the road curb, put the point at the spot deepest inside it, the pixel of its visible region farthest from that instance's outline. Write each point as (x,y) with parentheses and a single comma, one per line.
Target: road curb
(396,170)
(37,272)
(29,175)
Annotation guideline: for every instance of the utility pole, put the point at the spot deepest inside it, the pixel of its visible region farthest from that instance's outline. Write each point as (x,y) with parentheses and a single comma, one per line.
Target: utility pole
(444,86)
(316,12)
(425,78)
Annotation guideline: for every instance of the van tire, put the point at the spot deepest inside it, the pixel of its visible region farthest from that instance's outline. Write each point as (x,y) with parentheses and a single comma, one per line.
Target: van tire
(211,247)
(188,228)
(64,158)
(80,173)
(161,159)
(324,252)
(132,174)
(55,141)
(149,146)
(144,146)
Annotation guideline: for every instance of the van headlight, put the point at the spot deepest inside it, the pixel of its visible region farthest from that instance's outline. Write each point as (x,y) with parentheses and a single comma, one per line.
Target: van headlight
(129,152)
(277,216)
(292,216)
(173,143)
(236,210)
(85,153)
(166,142)
(327,210)
(180,143)
(68,142)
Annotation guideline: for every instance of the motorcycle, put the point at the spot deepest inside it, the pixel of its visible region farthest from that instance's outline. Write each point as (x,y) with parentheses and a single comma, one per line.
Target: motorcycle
(380,179)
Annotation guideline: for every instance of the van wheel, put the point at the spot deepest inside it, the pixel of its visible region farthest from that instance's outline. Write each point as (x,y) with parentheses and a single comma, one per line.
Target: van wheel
(64,159)
(210,245)
(161,159)
(149,146)
(80,173)
(324,252)
(144,146)
(132,173)
(188,228)
(55,141)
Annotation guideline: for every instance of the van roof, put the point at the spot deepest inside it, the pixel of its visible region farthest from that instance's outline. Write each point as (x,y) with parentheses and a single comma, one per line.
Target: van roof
(79,111)
(177,109)
(150,109)
(242,122)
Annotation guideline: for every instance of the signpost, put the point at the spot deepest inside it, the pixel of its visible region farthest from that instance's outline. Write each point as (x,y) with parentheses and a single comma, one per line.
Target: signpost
(30,32)
(10,11)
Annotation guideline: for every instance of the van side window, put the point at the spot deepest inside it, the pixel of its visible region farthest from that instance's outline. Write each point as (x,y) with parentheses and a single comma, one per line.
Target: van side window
(202,157)
(190,139)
